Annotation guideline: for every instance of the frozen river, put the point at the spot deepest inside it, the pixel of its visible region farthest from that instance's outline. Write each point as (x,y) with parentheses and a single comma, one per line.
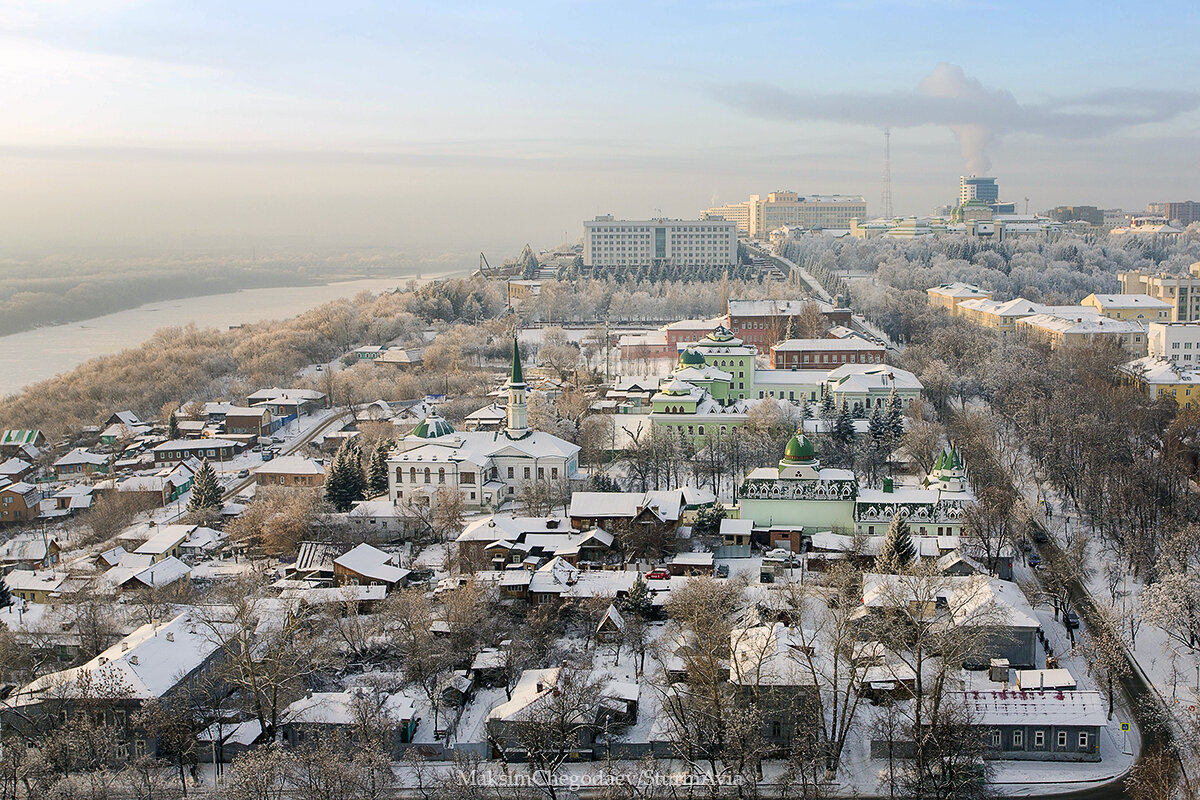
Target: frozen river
(31,356)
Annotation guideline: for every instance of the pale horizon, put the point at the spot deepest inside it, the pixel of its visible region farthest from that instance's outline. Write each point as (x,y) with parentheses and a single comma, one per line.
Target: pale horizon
(146,127)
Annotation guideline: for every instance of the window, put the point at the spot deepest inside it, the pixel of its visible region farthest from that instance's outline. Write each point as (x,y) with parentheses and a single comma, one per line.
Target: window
(412,474)
(996,738)
(541,473)
(1018,739)
(441,474)
(467,478)
(139,747)
(1083,740)
(527,473)
(510,472)
(427,474)
(1062,738)
(1039,738)
(554,472)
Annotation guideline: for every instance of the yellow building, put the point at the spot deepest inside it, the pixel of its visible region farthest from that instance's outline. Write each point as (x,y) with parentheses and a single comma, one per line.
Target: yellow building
(1139,307)
(758,217)
(1181,292)
(949,295)
(1087,326)
(1000,316)
(1158,378)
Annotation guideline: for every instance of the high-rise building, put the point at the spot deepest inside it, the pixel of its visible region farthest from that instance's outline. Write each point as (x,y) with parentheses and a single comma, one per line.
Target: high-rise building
(609,242)
(1182,292)
(972,187)
(1185,212)
(758,217)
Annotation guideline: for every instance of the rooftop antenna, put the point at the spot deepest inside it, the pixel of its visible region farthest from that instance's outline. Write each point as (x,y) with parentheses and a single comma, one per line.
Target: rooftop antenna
(1026,206)
(885,201)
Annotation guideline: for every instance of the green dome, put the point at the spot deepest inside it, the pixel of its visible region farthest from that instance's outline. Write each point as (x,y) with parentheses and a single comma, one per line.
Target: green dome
(691,358)
(799,449)
(432,427)
(718,335)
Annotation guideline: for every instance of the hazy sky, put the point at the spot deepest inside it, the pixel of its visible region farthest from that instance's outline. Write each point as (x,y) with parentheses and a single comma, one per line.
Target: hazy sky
(465,126)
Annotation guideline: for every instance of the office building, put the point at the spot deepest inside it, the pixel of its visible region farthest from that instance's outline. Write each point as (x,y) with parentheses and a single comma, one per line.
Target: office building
(1181,292)
(758,217)
(609,242)
(972,187)
(1134,307)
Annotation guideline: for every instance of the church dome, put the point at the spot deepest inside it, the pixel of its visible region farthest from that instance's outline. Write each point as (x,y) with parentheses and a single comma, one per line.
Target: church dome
(432,427)
(691,358)
(799,449)
(718,335)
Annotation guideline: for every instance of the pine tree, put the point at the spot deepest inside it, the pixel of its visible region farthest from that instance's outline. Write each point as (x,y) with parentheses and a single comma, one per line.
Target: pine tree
(827,407)
(377,473)
(206,491)
(897,550)
(5,594)
(345,484)
(843,426)
(895,416)
(878,429)
(172,427)
(638,600)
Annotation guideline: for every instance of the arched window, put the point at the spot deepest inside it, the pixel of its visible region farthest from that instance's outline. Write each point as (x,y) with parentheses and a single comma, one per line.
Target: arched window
(412,474)
(700,430)
(399,474)
(441,474)
(427,474)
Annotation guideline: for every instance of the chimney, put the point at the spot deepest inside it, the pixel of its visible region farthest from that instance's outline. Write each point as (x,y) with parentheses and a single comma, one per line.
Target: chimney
(133,660)
(124,646)
(888,485)
(170,636)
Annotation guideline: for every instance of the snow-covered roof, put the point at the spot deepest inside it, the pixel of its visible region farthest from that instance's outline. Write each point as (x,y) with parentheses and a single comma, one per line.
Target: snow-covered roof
(167,537)
(1083,323)
(289,465)
(479,447)
(371,562)
(194,444)
(1032,680)
(1033,708)
(533,685)
(147,663)
(14,466)
(865,377)
(737,527)
(81,455)
(1154,370)
(772,308)
(768,655)
(338,708)
(160,573)
(322,595)
(1130,301)
(26,547)
(664,504)
(957,290)
(506,526)
(25,580)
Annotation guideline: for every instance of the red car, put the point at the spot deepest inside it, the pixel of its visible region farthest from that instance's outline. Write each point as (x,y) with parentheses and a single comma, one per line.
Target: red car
(657,575)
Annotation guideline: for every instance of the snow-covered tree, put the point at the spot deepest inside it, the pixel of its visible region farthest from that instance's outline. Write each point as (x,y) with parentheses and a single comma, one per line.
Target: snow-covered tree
(897,550)
(1173,604)
(206,491)
(346,483)
(377,472)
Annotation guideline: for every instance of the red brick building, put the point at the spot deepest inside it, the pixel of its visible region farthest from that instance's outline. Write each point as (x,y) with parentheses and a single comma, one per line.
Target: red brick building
(765,322)
(824,353)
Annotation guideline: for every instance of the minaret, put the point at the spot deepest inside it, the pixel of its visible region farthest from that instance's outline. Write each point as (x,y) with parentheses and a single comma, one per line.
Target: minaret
(518,416)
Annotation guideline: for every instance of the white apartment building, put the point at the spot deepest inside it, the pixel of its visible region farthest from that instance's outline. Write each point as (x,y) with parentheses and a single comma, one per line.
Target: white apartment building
(758,217)
(609,242)
(1177,342)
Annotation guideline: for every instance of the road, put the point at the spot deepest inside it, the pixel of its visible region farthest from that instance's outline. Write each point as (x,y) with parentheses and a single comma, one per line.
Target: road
(288,449)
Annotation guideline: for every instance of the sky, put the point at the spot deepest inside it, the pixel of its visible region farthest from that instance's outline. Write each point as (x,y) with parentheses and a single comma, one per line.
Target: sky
(453,126)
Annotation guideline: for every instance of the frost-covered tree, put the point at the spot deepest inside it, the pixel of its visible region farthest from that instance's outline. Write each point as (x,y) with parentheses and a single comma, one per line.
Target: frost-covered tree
(206,491)
(1173,604)
(897,550)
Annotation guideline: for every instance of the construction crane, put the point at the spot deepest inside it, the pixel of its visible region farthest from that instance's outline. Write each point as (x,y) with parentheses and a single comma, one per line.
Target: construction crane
(485,269)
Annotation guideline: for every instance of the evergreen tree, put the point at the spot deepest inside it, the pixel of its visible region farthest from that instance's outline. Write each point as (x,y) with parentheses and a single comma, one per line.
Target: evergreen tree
(172,427)
(638,600)
(827,407)
(843,426)
(603,483)
(897,550)
(895,416)
(345,484)
(206,491)
(708,520)
(5,594)
(877,428)
(377,472)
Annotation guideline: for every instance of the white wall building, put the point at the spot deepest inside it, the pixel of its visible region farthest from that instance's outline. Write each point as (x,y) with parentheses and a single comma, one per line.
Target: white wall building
(609,242)
(1177,342)
(758,217)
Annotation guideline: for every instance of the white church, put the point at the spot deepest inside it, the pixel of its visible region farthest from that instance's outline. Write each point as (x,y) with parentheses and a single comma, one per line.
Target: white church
(487,468)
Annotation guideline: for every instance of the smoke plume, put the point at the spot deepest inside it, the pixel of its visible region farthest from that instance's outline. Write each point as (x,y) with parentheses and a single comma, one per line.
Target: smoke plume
(977,115)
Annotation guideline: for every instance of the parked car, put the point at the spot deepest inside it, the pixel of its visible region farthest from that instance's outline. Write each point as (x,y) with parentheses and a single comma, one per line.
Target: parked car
(722,570)
(278,439)
(243,473)
(1034,559)
(657,575)
(1071,620)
